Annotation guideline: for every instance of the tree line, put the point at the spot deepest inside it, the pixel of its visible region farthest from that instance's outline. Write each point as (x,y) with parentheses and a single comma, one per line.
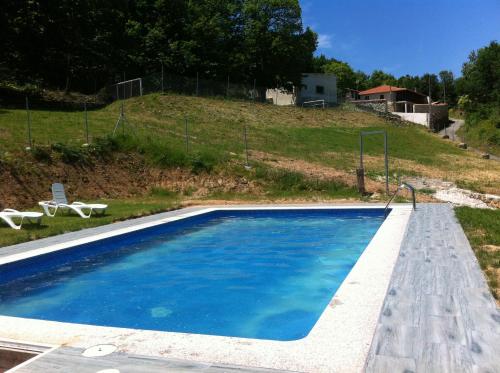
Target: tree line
(441,86)
(84,44)
(478,85)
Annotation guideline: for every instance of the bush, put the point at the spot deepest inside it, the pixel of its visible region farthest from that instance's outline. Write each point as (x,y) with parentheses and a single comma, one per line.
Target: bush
(203,162)
(41,154)
(103,147)
(71,154)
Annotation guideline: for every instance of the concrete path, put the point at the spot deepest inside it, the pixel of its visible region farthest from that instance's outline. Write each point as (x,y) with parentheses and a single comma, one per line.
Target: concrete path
(438,315)
(452,129)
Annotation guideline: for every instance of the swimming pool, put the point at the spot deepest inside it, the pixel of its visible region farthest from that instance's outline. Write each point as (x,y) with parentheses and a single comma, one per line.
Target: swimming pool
(263,274)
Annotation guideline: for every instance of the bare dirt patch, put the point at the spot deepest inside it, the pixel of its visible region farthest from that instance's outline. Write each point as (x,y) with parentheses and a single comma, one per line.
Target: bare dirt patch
(123,177)
(317,171)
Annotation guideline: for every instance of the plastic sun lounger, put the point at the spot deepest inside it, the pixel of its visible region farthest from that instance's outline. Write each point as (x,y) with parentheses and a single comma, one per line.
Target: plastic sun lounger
(8,215)
(61,202)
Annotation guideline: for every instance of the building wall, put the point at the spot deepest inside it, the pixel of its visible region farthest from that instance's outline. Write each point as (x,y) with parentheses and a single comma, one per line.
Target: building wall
(389,96)
(280,97)
(308,90)
(372,105)
(439,116)
(419,118)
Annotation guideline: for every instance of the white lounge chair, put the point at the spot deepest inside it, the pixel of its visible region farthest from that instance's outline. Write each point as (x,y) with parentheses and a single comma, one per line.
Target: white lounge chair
(60,201)
(8,215)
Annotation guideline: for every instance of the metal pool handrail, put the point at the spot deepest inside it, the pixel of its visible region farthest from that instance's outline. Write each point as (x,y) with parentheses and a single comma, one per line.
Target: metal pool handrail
(402,186)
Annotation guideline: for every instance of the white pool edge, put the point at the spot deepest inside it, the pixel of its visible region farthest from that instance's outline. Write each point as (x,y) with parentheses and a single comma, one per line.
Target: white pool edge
(339,341)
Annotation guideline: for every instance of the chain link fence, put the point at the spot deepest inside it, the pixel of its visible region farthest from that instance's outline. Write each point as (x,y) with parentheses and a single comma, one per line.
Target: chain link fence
(169,122)
(39,122)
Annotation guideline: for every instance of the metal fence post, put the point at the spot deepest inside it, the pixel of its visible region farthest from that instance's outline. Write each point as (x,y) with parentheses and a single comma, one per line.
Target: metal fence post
(197,83)
(386,160)
(186,133)
(86,123)
(30,143)
(162,89)
(227,88)
(247,165)
(360,172)
(254,87)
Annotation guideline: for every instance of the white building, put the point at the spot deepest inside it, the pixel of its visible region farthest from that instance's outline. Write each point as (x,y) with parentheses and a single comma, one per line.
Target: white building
(314,87)
(317,86)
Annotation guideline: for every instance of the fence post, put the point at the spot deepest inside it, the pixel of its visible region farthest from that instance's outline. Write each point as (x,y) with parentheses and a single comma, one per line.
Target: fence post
(29,124)
(186,134)
(162,90)
(197,83)
(386,161)
(227,88)
(360,172)
(254,87)
(86,122)
(247,165)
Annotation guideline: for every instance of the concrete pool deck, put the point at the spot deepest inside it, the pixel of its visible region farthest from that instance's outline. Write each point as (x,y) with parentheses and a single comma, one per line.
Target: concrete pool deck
(437,313)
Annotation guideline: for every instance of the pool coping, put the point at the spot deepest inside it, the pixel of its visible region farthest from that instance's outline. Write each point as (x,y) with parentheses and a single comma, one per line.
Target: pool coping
(339,341)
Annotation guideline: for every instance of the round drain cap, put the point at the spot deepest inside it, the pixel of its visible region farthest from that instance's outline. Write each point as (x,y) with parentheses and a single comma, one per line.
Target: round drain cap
(99,350)
(108,371)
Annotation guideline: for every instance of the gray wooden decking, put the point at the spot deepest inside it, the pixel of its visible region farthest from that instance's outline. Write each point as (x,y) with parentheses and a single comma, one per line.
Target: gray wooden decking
(66,359)
(438,315)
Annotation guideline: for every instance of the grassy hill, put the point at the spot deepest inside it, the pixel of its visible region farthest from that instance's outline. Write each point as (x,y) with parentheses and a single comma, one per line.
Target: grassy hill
(326,142)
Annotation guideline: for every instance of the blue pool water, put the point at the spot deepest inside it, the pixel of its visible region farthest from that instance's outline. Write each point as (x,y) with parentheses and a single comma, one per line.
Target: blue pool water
(255,274)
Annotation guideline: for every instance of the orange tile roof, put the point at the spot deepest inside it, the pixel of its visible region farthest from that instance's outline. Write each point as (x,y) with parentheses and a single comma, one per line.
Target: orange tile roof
(382,89)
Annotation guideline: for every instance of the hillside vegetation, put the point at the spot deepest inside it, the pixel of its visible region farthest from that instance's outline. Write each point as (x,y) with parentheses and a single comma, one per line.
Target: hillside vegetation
(313,143)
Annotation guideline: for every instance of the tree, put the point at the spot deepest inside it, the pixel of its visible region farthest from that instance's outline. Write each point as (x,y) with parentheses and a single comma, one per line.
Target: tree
(362,80)
(448,90)
(430,83)
(378,77)
(277,47)
(409,82)
(346,77)
(481,75)
(83,44)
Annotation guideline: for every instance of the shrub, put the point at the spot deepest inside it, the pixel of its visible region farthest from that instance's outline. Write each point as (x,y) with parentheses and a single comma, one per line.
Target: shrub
(71,154)
(203,162)
(41,154)
(103,147)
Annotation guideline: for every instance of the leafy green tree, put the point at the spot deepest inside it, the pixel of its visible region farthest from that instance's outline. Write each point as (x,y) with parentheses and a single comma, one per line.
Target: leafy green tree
(481,75)
(409,82)
(346,77)
(378,77)
(447,81)
(278,49)
(362,80)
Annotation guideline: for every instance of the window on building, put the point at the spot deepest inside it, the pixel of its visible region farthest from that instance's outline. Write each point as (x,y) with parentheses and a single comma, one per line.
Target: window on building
(304,86)
(381,97)
(320,89)
(367,97)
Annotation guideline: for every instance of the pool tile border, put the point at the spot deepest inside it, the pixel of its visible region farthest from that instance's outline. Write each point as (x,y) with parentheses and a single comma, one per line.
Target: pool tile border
(340,340)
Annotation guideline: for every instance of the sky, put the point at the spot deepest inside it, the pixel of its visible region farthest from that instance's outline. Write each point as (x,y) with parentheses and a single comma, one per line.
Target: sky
(402,36)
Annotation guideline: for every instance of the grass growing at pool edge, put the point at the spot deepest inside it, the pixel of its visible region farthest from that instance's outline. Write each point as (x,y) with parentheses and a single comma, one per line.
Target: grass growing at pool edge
(482,228)
(117,210)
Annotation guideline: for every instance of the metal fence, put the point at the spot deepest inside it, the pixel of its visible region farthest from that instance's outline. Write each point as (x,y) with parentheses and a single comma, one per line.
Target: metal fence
(174,122)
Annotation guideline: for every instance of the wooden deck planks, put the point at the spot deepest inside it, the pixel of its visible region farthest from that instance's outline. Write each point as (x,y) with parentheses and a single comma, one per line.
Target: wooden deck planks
(438,315)
(66,359)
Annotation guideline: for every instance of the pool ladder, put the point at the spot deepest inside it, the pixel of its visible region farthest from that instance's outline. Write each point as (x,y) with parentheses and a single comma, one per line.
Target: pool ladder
(402,186)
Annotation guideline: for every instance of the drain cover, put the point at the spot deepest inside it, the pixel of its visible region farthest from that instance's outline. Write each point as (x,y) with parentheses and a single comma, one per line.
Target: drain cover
(99,350)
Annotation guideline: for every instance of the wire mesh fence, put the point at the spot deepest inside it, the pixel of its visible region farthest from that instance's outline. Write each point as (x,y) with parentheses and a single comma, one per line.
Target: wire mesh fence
(173,122)
(37,124)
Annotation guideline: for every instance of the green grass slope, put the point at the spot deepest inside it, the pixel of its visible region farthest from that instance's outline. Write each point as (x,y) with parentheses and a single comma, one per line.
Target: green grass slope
(156,127)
